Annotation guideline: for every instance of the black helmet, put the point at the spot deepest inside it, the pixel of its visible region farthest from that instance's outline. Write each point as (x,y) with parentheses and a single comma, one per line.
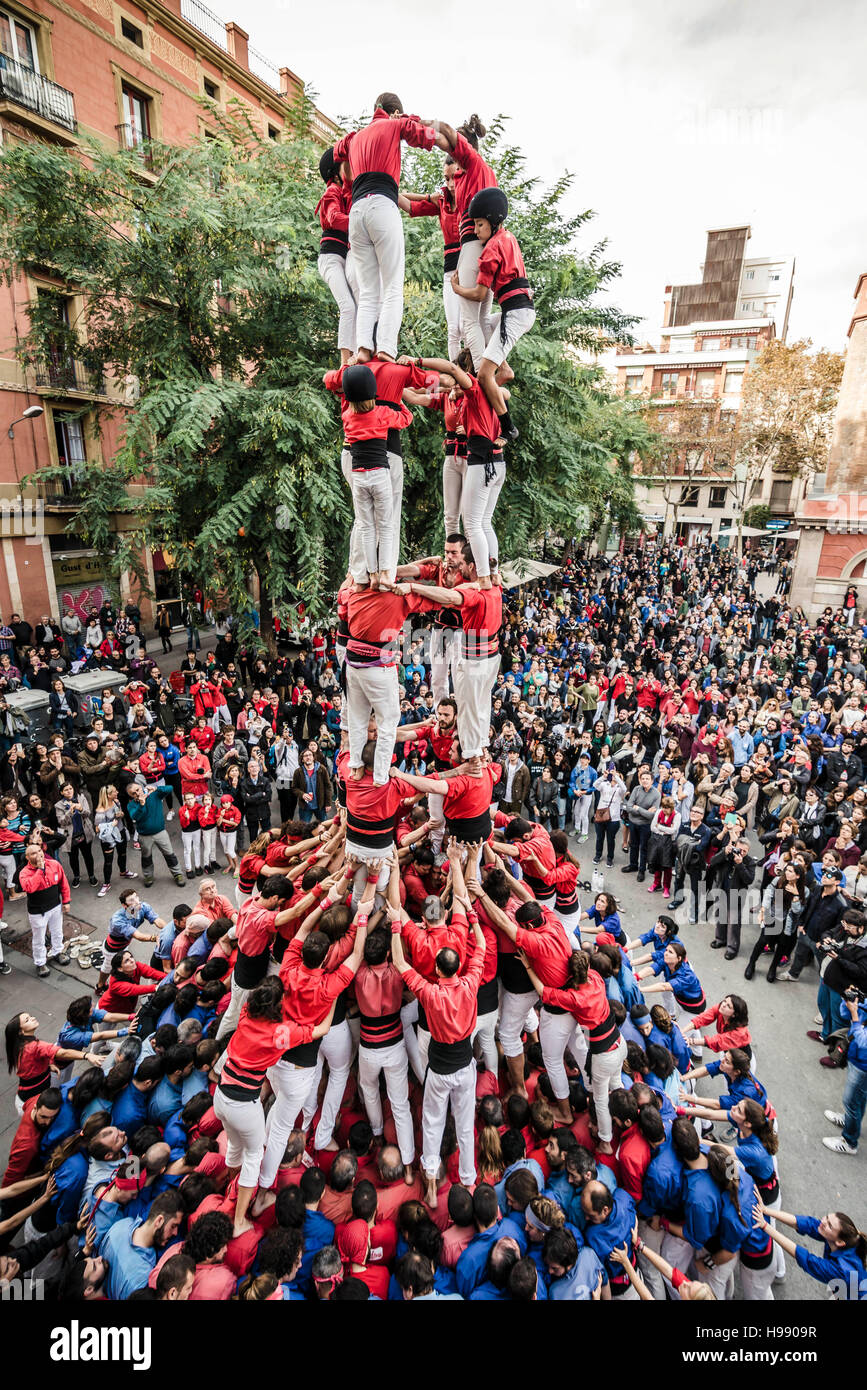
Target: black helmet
(490,203)
(327,164)
(359,383)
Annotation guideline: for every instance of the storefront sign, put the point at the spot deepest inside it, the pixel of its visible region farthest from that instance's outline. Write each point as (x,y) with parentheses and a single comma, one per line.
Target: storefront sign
(77,569)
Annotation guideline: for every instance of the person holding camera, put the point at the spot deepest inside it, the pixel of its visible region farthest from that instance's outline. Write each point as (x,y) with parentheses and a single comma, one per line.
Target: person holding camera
(735,869)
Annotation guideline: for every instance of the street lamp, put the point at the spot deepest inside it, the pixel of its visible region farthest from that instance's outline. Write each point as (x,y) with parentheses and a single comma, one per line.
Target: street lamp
(31,413)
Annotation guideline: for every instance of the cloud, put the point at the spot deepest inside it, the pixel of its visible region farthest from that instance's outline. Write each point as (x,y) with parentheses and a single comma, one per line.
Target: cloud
(674,118)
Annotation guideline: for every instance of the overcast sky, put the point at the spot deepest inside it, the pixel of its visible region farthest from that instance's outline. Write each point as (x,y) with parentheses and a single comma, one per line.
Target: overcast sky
(674,117)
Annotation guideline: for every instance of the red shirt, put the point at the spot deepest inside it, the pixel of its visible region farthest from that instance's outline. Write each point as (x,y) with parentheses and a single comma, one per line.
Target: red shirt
(332,210)
(475,175)
(633,1157)
(547,949)
(255,927)
(376,615)
(479,416)
(369,806)
(468,796)
(588,1004)
(426,942)
(376,148)
(34,1065)
(50,881)
(725,1037)
(195,772)
(379,995)
(500,263)
(309,993)
(449,1005)
(188,817)
(24,1153)
(256,1045)
(218,906)
(441,205)
(117,997)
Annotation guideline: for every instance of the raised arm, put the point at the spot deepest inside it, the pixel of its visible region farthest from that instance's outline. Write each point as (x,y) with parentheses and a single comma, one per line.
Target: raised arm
(422,784)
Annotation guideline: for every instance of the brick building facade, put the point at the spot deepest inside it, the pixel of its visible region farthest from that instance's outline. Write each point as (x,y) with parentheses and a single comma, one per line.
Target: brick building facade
(122,73)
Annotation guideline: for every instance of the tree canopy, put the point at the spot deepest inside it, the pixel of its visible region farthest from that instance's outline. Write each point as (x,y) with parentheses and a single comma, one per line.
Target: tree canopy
(202,302)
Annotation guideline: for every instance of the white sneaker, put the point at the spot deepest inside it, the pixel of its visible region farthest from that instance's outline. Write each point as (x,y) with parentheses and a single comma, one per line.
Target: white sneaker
(817,1018)
(838,1145)
(784,975)
(170,815)
(835,1117)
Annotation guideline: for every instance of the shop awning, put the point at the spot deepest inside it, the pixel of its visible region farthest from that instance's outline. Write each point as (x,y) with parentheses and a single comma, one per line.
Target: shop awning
(524,571)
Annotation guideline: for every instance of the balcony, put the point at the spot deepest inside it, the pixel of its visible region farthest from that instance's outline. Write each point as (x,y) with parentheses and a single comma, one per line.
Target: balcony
(62,494)
(30,90)
(130,138)
(65,374)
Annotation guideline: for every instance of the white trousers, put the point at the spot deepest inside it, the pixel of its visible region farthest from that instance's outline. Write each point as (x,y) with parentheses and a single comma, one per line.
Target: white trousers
(518,322)
(474,681)
(291,1085)
(192,843)
(43,925)
(679,1254)
(371,501)
(7,869)
(338,272)
(454,473)
(359,882)
(478,502)
(458,1089)
(757,1284)
(605,1070)
(582,814)
(721,1278)
(452,305)
(556,1033)
(356,553)
(372,689)
(338,1050)
(230,1018)
(477,320)
(409,1017)
(445,648)
(376,237)
(209,845)
(228,841)
(393,1061)
(514,1009)
(244,1123)
(649,1273)
(486,1033)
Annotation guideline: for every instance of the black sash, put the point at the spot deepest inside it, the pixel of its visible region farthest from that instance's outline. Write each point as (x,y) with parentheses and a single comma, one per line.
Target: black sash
(447,1058)
(369,453)
(374,182)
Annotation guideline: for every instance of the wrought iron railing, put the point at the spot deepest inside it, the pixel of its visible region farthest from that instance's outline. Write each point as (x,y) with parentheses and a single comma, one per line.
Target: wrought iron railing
(34,92)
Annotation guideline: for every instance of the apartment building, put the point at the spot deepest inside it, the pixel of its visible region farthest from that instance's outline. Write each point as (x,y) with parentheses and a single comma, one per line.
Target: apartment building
(125,74)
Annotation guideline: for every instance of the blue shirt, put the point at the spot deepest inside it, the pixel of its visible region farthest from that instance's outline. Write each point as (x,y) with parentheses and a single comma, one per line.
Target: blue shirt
(703,1207)
(754,1156)
(122,926)
(663,1185)
(130,1109)
(615,1231)
(129,1265)
(579,1285)
(471,1267)
(741,1088)
(842,1265)
(318,1232)
(167,940)
(70,1179)
(500,1187)
(572,1207)
(163,1101)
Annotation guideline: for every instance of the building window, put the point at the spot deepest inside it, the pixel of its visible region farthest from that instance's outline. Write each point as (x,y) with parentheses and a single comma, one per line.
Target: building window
(733,383)
(743,342)
(131,33)
(211,89)
(633,383)
(668,383)
(756,489)
(18,41)
(710,344)
(273,132)
(136,128)
(71,455)
(689,497)
(717,497)
(705,383)
(781,495)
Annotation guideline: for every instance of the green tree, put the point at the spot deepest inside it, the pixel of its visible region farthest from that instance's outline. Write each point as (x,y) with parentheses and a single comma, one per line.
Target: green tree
(205,313)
